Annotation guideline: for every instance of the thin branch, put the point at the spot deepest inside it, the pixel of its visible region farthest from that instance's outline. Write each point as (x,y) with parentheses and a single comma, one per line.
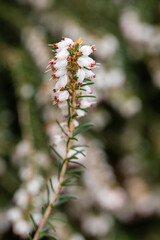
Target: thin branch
(63,170)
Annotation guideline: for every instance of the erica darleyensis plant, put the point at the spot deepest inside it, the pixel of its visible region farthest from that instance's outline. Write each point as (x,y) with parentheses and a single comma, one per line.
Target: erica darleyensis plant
(72,74)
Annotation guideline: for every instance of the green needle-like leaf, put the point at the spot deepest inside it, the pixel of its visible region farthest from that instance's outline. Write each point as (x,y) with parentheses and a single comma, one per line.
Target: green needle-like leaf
(67,196)
(76,152)
(47,235)
(56,152)
(76,47)
(71,138)
(87,124)
(51,226)
(62,128)
(57,220)
(69,112)
(51,184)
(69,180)
(72,157)
(48,194)
(81,129)
(83,89)
(87,79)
(30,237)
(88,96)
(86,84)
(81,152)
(74,171)
(87,68)
(79,146)
(59,170)
(59,202)
(33,221)
(83,109)
(46,229)
(78,163)
(42,210)
(74,115)
(80,55)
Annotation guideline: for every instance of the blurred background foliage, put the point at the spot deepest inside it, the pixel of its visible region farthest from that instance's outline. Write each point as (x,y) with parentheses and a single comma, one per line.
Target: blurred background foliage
(120,198)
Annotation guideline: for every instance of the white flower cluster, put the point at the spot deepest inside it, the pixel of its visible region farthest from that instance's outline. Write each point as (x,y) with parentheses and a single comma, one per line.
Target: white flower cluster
(30,193)
(142,34)
(23,198)
(72,68)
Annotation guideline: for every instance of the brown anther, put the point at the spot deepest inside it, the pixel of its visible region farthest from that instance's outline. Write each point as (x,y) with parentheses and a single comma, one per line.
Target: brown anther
(54,45)
(53,68)
(56,99)
(93,49)
(92,64)
(54,76)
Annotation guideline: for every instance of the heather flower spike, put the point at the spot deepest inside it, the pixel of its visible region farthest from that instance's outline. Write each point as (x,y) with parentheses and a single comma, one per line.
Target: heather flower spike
(72,76)
(71,66)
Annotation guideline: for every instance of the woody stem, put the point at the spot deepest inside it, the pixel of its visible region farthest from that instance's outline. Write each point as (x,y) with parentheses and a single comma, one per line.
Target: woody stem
(63,170)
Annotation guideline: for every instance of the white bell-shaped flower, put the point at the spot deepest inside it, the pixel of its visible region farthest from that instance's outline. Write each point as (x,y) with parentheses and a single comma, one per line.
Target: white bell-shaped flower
(60,64)
(80,75)
(63,54)
(62,96)
(61,83)
(86,62)
(86,50)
